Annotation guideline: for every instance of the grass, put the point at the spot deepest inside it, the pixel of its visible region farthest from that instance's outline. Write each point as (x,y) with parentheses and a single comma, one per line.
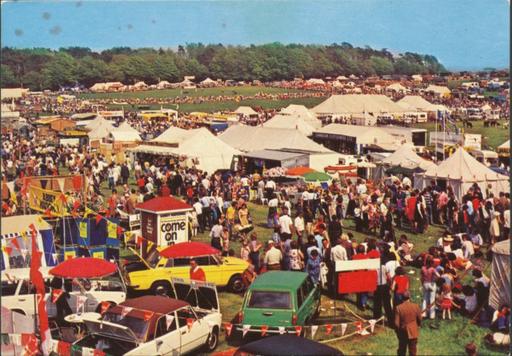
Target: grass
(170,93)
(491,136)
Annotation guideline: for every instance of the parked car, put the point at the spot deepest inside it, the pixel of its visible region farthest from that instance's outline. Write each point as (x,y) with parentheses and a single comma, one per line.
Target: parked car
(279,299)
(154,272)
(18,294)
(158,325)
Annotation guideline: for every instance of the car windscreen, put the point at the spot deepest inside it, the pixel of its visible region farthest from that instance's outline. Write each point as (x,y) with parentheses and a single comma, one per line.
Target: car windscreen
(138,326)
(270,300)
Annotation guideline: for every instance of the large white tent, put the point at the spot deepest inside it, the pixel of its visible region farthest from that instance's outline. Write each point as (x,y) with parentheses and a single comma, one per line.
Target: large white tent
(125,133)
(417,103)
(301,123)
(251,138)
(438,90)
(406,157)
(352,104)
(500,275)
(200,144)
(246,111)
(461,171)
(99,128)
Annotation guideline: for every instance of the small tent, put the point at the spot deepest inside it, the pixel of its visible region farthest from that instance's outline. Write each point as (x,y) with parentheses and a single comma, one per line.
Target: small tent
(290,122)
(407,158)
(246,111)
(125,133)
(396,87)
(461,171)
(500,275)
(101,130)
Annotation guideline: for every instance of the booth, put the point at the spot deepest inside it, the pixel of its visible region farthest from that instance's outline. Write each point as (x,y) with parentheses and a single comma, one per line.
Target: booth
(164,220)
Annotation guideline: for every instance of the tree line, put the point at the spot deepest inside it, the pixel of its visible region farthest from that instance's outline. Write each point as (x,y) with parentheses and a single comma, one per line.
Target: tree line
(41,68)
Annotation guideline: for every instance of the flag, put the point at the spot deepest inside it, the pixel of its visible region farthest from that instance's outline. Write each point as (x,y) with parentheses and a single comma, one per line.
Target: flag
(29,343)
(328,329)
(245,329)
(314,329)
(120,230)
(125,311)
(343,328)
(63,198)
(190,322)
(298,330)
(37,280)
(80,302)
(372,324)
(104,307)
(77,182)
(359,326)
(48,213)
(63,348)
(15,243)
(54,256)
(168,320)
(56,294)
(281,330)
(98,218)
(264,329)
(61,182)
(98,352)
(8,250)
(229,328)
(149,314)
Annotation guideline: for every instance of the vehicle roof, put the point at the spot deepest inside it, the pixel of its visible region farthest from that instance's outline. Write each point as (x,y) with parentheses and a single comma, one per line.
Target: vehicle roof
(279,280)
(155,303)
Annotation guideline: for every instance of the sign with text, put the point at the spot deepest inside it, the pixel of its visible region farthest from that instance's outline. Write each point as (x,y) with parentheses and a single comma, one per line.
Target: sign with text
(172,229)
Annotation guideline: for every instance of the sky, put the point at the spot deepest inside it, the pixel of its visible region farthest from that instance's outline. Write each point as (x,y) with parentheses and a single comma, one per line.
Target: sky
(462,34)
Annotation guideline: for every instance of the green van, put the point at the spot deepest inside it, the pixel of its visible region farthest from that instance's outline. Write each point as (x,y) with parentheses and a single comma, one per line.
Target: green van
(279,299)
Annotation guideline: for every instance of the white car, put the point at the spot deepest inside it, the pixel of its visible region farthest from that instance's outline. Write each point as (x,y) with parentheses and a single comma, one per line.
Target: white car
(159,325)
(19,295)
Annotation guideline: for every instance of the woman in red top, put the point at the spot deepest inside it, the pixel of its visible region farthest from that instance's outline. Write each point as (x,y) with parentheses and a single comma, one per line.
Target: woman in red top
(410,209)
(399,286)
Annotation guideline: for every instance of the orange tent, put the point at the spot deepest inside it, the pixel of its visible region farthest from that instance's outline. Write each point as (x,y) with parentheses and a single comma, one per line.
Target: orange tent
(299,171)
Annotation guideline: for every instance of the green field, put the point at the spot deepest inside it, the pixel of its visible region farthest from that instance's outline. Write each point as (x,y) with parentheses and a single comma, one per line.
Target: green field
(171,93)
(492,137)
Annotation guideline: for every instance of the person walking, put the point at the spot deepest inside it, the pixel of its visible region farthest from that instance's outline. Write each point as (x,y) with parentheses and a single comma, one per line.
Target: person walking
(407,323)
(428,280)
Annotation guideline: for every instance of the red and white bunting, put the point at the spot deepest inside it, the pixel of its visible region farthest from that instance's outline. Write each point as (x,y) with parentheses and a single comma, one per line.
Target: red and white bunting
(245,329)
(229,328)
(56,294)
(80,302)
(190,322)
(104,307)
(314,329)
(343,328)
(168,320)
(298,330)
(282,330)
(328,329)
(359,327)
(125,311)
(372,323)
(149,314)
(264,329)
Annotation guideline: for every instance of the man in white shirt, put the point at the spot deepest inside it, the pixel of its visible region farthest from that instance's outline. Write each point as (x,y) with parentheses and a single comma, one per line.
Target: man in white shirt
(286,225)
(299,225)
(198,207)
(506,224)
(338,252)
(467,246)
(273,257)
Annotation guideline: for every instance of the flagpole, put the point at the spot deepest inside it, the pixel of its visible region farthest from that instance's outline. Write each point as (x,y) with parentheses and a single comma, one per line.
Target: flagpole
(444,135)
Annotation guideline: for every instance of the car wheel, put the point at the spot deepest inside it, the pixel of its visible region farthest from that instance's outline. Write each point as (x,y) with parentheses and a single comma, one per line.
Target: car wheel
(213,340)
(161,288)
(236,284)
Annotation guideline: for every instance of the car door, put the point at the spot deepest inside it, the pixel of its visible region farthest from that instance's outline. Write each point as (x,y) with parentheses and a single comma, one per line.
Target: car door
(306,309)
(180,267)
(194,336)
(212,269)
(167,339)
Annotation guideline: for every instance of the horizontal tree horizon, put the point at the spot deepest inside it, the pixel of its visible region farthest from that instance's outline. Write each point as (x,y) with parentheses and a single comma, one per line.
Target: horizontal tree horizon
(41,68)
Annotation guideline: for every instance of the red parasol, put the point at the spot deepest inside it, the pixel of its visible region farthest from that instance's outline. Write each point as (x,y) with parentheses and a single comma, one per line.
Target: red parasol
(299,171)
(189,249)
(84,267)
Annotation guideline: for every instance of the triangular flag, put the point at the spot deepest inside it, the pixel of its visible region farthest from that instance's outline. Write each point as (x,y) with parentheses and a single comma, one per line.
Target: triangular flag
(63,348)
(298,330)
(98,218)
(138,240)
(229,328)
(63,198)
(80,302)
(314,329)
(61,182)
(328,329)
(168,320)
(56,294)
(15,243)
(264,329)
(364,332)
(120,230)
(104,307)
(190,322)
(55,256)
(359,326)
(245,329)
(98,352)
(8,250)
(343,328)
(125,311)
(372,324)
(281,330)
(149,314)
(48,213)
(24,252)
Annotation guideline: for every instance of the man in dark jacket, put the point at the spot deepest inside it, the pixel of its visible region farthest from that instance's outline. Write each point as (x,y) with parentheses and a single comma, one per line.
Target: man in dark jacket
(407,323)
(334,229)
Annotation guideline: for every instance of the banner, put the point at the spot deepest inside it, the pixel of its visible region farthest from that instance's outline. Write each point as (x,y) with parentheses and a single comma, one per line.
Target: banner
(112,230)
(83,229)
(44,200)
(172,230)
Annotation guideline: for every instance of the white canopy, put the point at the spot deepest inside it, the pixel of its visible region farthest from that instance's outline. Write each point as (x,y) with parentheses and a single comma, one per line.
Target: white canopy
(500,275)
(290,122)
(315,81)
(505,145)
(396,87)
(252,138)
(101,130)
(460,171)
(357,104)
(246,110)
(417,103)
(300,110)
(407,158)
(208,81)
(438,89)
(125,133)
(211,152)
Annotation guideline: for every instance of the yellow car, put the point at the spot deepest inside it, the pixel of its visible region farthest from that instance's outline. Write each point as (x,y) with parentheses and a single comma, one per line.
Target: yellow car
(154,273)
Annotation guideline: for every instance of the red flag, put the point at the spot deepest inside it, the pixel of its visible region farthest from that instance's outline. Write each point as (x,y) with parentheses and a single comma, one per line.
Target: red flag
(64,198)
(298,330)
(359,326)
(8,250)
(229,328)
(120,230)
(104,307)
(77,182)
(328,329)
(48,213)
(56,294)
(264,329)
(15,243)
(29,343)
(138,240)
(149,314)
(63,348)
(98,218)
(37,280)
(98,352)
(190,322)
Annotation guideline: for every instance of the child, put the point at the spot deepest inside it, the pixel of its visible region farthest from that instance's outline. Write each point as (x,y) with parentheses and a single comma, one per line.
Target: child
(399,286)
(446,301)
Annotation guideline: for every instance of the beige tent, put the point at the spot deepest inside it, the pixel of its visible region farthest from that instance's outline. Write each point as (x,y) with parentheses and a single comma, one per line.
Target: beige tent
(397,87)
(357,104)
(125,133)
(13,93)
(246,111)
(407,158)
(500,275)
(417,103)
(438,90)
(461,171)
(291,122)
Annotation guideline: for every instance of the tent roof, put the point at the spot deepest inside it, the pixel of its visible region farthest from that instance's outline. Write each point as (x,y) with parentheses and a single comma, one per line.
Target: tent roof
(502,247)
(274,155)
(364,134)
(357,104)
(438,89)
(246,110)
(125,133)
(252,138)
(12,93)
(406,157)
(160,204)
(102,128)
(505,145)
(461,165)
(396,87)
(292,122)
(417,103)
(19,223)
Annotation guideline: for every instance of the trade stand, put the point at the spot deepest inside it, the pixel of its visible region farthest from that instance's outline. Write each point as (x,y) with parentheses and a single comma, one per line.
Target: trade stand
(164,220)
